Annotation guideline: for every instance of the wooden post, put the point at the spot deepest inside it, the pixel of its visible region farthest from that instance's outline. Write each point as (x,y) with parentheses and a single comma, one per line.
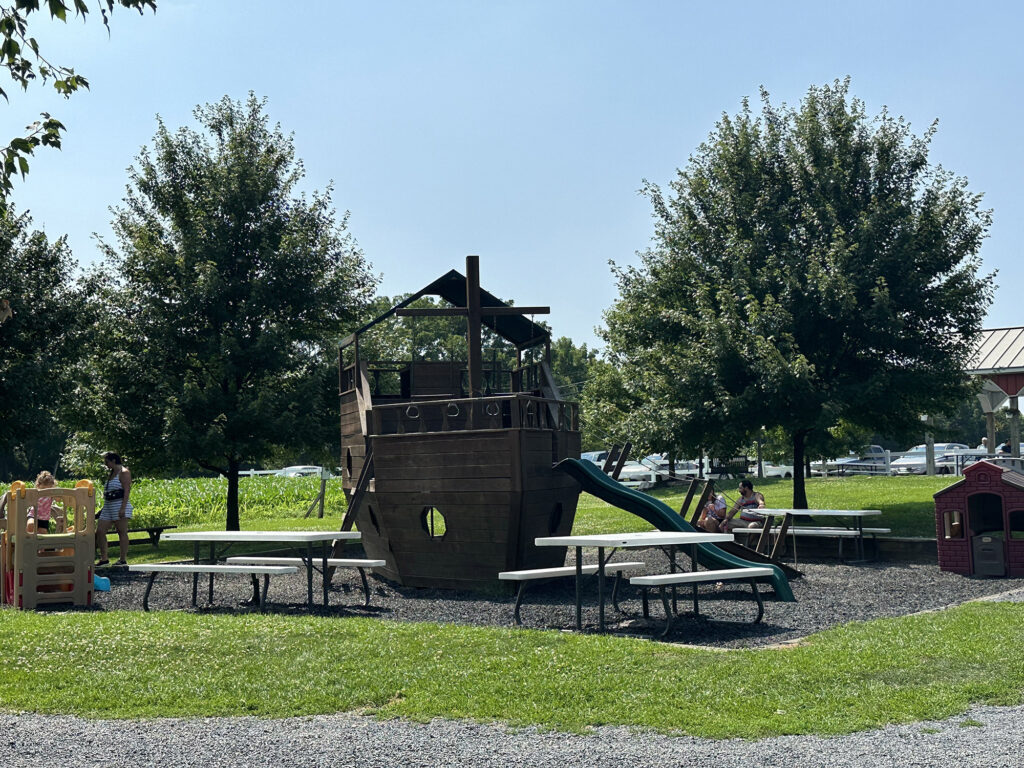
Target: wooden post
(473,323)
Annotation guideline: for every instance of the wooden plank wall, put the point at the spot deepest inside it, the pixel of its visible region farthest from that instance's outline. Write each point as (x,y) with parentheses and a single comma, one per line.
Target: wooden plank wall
(436,379)
(496,491)
(353,442)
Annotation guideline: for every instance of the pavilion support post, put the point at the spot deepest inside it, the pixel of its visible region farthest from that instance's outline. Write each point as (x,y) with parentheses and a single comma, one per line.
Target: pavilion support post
(1014,428)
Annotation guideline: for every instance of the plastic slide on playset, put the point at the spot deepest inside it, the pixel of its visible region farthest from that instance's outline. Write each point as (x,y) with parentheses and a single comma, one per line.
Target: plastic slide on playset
(662,517)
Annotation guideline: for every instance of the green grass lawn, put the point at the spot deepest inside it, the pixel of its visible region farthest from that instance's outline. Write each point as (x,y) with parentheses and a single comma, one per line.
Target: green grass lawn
(859,676)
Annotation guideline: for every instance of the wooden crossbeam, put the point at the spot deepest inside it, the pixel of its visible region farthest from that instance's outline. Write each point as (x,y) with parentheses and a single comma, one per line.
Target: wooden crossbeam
(463,311)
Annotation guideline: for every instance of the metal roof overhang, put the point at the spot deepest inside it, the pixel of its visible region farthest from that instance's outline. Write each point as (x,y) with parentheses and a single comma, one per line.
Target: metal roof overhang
(999,357)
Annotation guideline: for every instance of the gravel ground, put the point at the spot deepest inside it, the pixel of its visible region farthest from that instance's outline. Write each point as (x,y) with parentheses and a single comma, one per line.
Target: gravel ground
(828,595)
(985,737)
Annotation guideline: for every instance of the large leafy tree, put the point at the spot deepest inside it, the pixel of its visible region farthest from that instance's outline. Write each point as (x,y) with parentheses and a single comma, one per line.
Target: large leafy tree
(40,344)
(21,56)
(224,300)
(810,268)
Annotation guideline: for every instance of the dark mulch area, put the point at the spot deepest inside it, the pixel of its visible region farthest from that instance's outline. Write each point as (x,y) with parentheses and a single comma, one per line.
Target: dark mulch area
(829,594)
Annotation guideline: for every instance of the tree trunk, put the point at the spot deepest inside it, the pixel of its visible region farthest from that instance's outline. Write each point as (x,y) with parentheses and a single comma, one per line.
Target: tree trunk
(799,489)
(232,521)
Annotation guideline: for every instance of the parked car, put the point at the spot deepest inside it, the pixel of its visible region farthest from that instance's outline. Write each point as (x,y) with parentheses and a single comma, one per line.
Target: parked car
(914,461)
(772,469)
(637,475)
(304,470)
(596,457)
(872,460)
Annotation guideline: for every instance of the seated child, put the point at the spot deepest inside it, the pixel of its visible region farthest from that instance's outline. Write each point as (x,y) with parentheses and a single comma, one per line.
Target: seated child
(713,514)
(43,510)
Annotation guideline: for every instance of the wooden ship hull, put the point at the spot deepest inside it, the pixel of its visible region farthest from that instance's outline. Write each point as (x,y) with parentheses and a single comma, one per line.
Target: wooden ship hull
(449,485)
(453,507)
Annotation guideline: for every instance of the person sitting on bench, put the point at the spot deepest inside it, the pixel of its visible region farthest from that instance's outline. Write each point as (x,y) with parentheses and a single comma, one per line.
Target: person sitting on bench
(746,505)
(712,517)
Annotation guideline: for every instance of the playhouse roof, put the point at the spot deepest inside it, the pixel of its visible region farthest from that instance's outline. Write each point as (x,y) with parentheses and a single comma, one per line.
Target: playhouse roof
(451,286)
(1007,476)
(999,350)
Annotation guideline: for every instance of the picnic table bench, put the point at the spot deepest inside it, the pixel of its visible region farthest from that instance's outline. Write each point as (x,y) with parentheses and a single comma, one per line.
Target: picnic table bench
(663,580)
(266,571)
(153,533)
(855,531)
(361,564)
(858,532)
(533,574)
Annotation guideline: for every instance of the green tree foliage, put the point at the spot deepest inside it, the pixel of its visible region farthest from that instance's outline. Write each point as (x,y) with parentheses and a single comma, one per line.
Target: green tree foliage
(572,366)
(224,302)
(605,405)
(810,268)
(39,346)
(21,57)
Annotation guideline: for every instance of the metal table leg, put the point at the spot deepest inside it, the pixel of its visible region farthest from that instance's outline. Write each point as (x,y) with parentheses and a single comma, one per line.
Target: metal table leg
(325,553)
(366,587)
(600,589)
(519,601)
(673,567)
(149,586)
(579,580)
(780,537)
(668,611)
(309,575)
(263,595)
(195,576)
(213,559)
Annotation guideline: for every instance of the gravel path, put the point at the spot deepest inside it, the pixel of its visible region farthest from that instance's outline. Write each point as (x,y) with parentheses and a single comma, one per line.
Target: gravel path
(828,595)
(986,737)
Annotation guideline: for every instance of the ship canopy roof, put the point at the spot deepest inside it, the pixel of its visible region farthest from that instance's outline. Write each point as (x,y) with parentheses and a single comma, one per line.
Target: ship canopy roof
(451,286)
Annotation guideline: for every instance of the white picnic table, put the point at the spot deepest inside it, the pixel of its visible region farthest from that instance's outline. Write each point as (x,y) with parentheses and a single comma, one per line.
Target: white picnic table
(310,539)
(787,516)
(614,541)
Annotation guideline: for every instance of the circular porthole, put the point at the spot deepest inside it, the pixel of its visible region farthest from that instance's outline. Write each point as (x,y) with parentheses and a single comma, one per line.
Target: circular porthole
(433,522)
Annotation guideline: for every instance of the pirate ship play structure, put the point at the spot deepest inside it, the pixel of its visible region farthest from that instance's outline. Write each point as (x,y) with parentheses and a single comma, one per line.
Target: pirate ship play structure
(447,465)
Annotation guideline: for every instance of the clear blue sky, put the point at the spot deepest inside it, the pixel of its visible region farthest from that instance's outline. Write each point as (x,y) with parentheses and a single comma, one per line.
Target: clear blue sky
(520,131)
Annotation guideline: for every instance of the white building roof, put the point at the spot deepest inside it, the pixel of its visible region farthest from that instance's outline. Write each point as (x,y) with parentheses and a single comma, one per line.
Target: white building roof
(1000,350)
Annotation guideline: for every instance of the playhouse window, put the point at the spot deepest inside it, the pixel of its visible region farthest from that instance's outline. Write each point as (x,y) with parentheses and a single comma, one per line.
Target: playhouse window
(1017,524)
(953,524)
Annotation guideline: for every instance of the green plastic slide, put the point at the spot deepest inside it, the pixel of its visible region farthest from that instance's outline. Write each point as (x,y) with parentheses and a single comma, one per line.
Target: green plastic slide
(662,517)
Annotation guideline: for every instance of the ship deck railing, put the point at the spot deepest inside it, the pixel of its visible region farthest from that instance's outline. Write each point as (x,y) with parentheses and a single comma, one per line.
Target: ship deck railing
(511,411)
(384,376)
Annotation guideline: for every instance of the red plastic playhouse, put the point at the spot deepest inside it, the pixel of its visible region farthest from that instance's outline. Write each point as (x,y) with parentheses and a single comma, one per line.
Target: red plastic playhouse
(979,522)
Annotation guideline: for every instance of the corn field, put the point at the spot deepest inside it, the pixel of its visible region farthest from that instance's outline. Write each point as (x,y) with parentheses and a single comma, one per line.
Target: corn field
(197,501)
